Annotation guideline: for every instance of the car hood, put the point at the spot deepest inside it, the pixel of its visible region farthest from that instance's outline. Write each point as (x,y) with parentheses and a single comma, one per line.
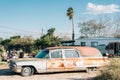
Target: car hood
(25,60)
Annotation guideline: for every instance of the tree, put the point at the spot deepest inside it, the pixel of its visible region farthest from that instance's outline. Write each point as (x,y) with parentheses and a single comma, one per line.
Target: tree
(6,42)
(1,39)
(117,26)
(95,27)
(70,14)
(48,40)
(85,29)
(17,42)
(51,31)
(15,37)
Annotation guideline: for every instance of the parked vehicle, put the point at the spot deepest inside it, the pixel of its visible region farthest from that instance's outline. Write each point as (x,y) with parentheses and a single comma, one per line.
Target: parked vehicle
(63,58)
(4,56)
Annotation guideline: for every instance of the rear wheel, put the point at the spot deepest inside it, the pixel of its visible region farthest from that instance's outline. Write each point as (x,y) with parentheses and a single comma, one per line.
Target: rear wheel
(27,71)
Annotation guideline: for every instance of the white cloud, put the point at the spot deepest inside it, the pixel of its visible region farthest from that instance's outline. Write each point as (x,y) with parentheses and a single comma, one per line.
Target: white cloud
(101,9)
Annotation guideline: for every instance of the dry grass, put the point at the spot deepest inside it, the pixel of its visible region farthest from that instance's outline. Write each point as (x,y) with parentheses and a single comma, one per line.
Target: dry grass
(3,65)
(111,72)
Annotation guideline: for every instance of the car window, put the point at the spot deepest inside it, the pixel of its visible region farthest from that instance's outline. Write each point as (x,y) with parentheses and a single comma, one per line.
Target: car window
(43,54)
(71,54)
(56,54)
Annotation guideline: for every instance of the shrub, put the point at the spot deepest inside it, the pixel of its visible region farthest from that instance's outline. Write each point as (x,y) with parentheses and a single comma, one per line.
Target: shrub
(0,58)
(111,72)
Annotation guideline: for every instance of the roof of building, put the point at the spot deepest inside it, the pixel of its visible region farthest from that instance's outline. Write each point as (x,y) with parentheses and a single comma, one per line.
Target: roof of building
(99,38)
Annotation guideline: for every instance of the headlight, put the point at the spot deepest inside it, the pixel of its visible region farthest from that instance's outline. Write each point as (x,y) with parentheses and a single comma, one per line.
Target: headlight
(12,65)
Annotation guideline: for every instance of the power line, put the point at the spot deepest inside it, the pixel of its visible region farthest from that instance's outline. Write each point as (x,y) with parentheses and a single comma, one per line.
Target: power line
(26,32)
(12,33)
(16,29)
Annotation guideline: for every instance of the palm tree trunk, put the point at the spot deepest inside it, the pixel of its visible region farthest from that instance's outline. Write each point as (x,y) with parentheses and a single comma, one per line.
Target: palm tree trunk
(73,34)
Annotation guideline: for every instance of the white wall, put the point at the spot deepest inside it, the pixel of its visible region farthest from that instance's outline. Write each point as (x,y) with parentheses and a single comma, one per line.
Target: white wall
(99,40)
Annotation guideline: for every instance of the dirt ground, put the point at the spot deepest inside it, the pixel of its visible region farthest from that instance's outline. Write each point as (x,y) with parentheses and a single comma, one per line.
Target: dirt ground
(7,74)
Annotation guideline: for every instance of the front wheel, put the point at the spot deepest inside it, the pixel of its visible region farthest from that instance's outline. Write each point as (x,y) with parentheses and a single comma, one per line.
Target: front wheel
(27,71)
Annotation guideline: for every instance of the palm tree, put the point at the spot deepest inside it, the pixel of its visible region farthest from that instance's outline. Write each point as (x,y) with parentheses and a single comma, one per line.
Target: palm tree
(70,14)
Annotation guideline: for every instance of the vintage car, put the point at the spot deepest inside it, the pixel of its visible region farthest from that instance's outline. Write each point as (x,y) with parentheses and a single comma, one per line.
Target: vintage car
(63,58)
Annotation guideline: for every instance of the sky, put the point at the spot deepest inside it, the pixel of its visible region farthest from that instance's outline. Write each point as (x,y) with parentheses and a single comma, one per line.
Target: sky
(34,17)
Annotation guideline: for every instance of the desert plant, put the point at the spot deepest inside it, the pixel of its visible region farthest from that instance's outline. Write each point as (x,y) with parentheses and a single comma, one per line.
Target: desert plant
(110,72)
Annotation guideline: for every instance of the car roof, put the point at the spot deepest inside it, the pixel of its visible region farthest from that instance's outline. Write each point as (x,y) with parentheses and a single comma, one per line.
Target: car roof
(84,51)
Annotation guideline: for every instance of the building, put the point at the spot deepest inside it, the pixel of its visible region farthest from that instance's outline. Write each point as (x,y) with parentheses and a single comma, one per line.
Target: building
(105,45)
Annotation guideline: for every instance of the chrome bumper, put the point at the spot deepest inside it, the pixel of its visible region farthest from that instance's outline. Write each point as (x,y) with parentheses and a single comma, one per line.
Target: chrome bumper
(15,68)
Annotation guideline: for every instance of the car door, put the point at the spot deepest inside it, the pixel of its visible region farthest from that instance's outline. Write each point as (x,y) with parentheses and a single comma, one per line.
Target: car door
(55,63)
(72,59)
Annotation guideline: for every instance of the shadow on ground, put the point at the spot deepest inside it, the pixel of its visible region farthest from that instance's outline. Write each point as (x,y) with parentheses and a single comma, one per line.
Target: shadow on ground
(6,72)
(60,72)
(80,79)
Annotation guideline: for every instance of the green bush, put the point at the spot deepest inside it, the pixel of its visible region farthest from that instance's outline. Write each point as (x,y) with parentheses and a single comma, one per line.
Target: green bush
(111,72)
(0,58)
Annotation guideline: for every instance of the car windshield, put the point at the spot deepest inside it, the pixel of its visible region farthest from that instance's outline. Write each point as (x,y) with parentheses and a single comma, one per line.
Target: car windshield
(42,54)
